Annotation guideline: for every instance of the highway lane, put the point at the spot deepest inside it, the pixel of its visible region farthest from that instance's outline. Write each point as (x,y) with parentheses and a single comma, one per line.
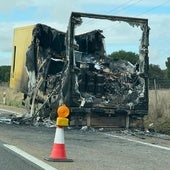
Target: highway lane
(9,160)
(90,150)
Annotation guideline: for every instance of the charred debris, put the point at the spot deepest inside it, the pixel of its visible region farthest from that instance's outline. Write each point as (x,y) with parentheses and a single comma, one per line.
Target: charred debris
(75,70)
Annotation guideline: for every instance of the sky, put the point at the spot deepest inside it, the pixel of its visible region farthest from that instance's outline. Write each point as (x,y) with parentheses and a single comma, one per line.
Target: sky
(119,36)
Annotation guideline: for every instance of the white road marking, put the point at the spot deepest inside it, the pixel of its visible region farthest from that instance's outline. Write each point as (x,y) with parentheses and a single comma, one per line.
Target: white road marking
(136,141)
(30,157)
(9,111)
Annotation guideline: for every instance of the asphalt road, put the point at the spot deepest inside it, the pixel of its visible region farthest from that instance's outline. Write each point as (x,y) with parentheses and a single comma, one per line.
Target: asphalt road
(90,150)
(11,161)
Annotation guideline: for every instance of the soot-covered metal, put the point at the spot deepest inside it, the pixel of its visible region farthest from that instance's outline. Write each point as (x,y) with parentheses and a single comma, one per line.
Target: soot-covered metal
(64,68)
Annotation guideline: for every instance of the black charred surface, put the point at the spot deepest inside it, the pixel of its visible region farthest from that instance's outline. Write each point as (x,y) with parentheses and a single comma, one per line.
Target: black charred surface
(49,38)
(45,55)
(31,58)
(91,42)
(76,70)
(102,82)
(50,43)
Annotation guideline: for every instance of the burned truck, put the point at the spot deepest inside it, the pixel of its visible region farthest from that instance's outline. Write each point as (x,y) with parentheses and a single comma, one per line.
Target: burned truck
(74,69)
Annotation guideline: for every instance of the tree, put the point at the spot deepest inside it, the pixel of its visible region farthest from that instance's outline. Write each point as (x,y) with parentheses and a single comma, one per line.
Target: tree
(162,77)
(5,73)
(168,67)
(128,56)
(155,72)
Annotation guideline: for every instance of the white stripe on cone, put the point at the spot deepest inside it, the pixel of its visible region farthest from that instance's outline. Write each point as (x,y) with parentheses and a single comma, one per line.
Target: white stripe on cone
(59,135)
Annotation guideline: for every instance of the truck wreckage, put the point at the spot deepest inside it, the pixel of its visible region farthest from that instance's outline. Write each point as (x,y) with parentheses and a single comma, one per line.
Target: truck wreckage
(65,68)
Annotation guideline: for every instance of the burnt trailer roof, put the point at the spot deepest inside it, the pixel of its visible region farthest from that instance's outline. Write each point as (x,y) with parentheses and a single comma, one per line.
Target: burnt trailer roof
(110,17)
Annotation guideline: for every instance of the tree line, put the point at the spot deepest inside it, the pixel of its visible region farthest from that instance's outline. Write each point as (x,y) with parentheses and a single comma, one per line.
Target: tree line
(4,74)
(156,74)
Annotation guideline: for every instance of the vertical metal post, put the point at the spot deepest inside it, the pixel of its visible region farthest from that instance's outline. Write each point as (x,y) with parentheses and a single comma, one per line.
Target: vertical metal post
(127,121)
(88,120)
(157,113)
(156,94)
(4,98)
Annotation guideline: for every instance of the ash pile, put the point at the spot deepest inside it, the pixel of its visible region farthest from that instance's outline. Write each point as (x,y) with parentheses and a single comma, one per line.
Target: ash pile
(110,82)
(103,81)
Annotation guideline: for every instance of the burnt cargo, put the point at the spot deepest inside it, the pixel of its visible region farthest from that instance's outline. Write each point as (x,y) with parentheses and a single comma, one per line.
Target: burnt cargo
(64,68)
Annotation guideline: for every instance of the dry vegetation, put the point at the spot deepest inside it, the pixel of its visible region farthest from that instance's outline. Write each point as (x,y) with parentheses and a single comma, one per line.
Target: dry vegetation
(159,111)
(158,118)
(13,98)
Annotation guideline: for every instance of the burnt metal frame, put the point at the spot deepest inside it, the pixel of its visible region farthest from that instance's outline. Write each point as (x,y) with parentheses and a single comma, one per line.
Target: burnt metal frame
(75,19)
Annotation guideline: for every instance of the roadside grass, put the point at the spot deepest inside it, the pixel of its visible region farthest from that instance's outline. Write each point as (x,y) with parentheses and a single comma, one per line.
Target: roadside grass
(13,98)
(158,118)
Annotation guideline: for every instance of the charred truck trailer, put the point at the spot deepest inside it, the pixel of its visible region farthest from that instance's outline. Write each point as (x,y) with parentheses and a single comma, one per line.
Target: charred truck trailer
(74,69)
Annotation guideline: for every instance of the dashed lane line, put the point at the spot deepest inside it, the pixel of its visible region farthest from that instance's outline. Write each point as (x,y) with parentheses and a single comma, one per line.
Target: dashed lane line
(29,157)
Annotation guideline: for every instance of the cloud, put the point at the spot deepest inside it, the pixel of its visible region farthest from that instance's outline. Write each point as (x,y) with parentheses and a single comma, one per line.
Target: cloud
(5,58)
(159,37)
(118,35)
(6,32)
(7,6)
(69,5)
(58,10)
(56,13)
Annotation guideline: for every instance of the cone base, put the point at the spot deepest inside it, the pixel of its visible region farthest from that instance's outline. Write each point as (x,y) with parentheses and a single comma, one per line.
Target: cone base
(58,160)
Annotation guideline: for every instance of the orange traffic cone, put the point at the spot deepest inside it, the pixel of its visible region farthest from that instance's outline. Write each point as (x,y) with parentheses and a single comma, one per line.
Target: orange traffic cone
(58,153)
